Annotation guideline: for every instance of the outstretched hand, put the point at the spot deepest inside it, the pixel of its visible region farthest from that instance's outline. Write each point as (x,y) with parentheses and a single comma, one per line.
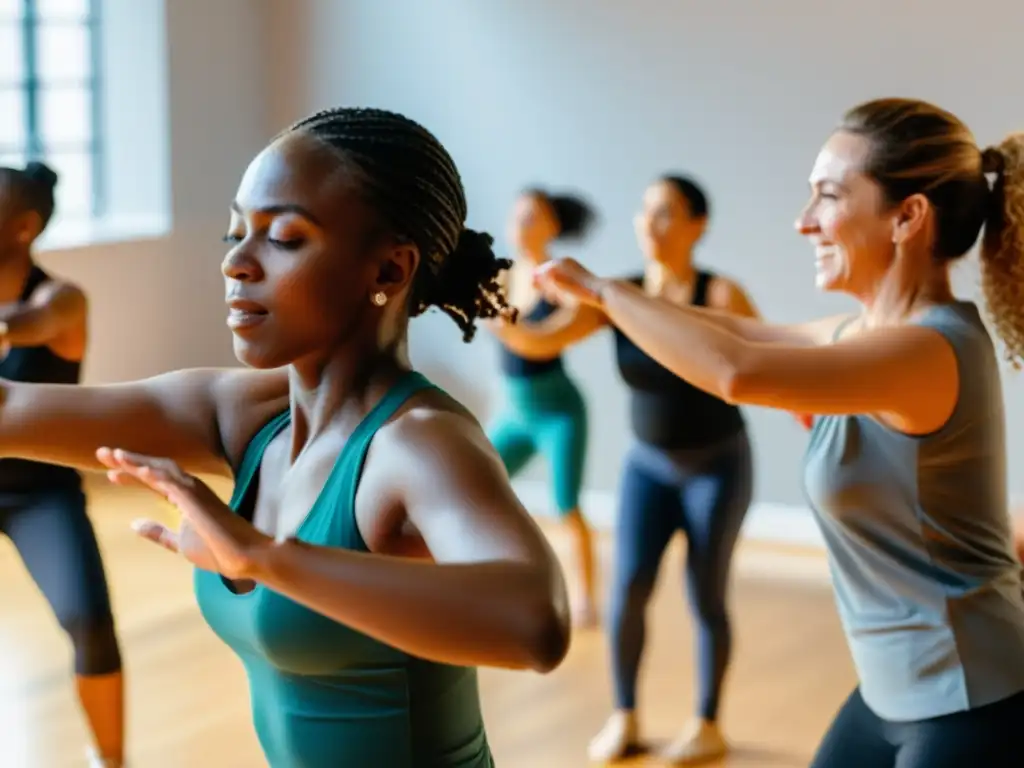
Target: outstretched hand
(210,535)
(568,280)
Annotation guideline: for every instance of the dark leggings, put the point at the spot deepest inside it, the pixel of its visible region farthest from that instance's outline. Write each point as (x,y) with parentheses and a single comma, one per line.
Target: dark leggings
(55,539)
(986,737)
(706,495)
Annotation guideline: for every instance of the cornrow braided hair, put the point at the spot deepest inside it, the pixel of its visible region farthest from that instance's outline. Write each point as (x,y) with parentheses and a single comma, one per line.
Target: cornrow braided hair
(411,180)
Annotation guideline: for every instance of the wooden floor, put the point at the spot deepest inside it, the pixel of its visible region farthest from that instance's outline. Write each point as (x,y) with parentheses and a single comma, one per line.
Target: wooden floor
(189,700)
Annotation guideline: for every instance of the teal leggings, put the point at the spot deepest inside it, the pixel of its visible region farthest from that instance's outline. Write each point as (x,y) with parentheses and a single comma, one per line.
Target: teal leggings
(544,414)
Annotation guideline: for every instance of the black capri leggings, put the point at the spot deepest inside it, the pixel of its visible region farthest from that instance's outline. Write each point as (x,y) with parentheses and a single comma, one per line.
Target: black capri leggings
(986,737)
(56,541)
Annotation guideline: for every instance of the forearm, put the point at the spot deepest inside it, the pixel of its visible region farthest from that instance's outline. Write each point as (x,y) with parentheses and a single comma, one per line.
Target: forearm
(65,423)
(499,614)
(694,344)
(527,341)
(750,328)
(22,326)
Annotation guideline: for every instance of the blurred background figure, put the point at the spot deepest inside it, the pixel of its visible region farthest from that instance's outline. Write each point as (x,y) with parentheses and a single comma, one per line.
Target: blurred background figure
(44,335)
(543,410)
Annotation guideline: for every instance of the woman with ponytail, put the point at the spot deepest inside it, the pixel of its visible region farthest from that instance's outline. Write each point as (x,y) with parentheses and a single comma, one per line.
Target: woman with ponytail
(543,410)
(906,466)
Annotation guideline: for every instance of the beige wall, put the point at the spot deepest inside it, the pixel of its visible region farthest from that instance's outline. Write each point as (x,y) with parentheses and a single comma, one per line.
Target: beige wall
(604,95)
(598,94)
(157,303)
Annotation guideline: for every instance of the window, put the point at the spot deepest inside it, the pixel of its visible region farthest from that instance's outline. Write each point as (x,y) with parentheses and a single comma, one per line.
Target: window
(49,90)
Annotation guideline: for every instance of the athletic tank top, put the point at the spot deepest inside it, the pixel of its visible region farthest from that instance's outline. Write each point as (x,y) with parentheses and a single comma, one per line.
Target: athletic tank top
(324,695)
(920,546)
(666,411)
(36,365)
(514,365)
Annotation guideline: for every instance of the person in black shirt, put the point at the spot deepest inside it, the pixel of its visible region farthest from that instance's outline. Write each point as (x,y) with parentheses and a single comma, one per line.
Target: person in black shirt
(689,470)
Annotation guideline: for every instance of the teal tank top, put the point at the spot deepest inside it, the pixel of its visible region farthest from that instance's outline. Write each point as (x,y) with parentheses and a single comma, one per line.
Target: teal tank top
(920,545)
(324,695)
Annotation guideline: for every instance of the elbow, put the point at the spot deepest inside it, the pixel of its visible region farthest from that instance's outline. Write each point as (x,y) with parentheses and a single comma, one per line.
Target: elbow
(543,627)
(547,640)
(731,386)
(740,380)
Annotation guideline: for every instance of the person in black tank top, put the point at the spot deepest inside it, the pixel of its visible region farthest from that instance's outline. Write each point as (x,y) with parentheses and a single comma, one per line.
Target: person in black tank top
(688,470)
(660,401)
(42,506)
(543,410)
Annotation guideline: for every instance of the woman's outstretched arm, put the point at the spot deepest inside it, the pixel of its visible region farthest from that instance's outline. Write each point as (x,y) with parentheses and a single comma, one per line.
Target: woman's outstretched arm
(565,327)
(907,374)
(199,417)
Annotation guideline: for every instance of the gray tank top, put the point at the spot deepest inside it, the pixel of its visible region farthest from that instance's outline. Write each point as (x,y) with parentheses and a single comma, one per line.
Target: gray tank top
(920,546)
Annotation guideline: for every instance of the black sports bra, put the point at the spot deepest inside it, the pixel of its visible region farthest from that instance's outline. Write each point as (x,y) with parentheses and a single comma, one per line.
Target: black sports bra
(667,411)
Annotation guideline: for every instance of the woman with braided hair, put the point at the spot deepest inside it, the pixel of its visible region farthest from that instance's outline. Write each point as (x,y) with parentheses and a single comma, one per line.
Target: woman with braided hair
(906,466)
(544,410)
(373,552)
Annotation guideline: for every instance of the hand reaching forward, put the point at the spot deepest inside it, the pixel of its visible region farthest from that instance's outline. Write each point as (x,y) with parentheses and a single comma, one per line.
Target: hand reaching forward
(568,281)
(210,535)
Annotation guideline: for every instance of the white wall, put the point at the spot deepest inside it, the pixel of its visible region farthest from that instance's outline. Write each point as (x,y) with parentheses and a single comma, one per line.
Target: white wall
(157,299)
(604,95)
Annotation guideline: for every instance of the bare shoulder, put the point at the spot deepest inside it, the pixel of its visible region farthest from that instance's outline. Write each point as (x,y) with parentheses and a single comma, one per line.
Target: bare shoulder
(726,294)
(434,461)
(63,292)
(436,425)
(722,287)
(436,443)
(245,400)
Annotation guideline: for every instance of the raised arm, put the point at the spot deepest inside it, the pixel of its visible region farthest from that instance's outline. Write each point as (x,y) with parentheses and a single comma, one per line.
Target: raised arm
(732,309)
(742,318)
(907,374)
(53,310)
(494,595)
(199,417)
(566,326)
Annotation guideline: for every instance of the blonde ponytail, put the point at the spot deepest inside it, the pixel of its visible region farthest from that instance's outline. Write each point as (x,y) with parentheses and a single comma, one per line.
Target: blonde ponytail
(1002,247)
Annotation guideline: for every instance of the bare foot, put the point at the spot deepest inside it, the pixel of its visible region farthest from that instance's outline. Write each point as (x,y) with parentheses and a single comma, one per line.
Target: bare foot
(701,741)
(615,739)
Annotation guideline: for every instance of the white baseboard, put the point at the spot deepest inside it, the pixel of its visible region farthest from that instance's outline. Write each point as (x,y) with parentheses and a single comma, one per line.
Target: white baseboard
(766,522)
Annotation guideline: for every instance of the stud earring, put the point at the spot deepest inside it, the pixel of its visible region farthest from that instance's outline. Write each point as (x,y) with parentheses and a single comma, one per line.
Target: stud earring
(380,298)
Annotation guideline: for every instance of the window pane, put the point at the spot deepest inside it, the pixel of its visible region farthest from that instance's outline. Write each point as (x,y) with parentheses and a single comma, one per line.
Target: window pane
(65,116)
(12,159)
(12,117)
(74,183)
(63,52)
(50,10)
(12,58)
(10,9)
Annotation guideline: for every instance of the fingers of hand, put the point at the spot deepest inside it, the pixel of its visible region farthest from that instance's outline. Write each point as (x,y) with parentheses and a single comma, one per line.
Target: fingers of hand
(157,533)
(121,477)
(157,473)
(117,458)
